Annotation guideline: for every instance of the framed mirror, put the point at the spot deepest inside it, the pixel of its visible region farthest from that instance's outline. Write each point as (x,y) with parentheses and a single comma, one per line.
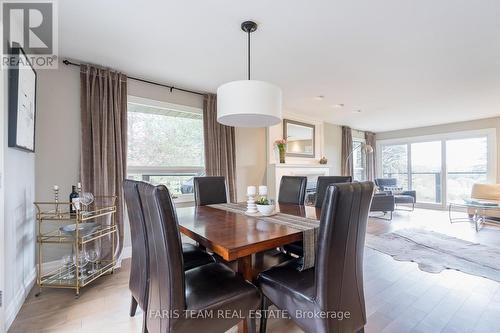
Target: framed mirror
(300,137)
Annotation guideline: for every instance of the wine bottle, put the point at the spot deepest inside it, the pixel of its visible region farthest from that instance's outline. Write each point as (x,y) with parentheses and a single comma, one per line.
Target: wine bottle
(74,194)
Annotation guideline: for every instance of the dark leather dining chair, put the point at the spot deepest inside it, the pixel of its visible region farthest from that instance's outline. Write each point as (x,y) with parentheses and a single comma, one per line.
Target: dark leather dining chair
(177,297)
(209,190)
(292,190)
(335,285)
(139,268)
(138,281)
(323,183)
(321,187)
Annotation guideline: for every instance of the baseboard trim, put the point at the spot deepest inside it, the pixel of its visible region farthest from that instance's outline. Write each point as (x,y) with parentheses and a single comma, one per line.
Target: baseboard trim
(17,302)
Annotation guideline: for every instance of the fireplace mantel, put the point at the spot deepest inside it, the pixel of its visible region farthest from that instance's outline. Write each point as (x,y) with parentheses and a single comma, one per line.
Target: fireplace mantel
(300,166)
(276,171)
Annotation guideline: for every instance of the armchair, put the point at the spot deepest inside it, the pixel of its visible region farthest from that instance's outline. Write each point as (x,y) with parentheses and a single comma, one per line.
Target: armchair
(383,202)
(402,198)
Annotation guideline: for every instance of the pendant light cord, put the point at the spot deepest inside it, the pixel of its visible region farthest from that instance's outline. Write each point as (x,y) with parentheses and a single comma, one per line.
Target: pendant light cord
(249,55)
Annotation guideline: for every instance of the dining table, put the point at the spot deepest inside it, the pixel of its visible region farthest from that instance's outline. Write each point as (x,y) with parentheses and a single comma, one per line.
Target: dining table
(240,238)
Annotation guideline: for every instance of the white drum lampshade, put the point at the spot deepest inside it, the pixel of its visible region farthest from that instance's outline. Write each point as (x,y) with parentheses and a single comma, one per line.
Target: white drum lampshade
(248,103)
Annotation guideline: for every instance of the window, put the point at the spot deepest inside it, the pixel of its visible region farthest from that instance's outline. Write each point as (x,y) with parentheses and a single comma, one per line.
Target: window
(395,163)
(466,164)
(165,144)
(440,168)
(358,160)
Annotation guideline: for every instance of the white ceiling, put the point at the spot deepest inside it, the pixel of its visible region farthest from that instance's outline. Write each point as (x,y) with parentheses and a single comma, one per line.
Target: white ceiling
(404,63)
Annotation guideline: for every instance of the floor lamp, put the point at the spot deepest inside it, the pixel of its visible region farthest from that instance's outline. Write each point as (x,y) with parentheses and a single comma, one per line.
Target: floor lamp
(367,149)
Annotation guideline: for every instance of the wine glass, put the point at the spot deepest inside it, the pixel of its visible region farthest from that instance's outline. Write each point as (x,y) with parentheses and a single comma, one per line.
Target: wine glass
(86,199)
(68,263)
(93,254)
(82,261)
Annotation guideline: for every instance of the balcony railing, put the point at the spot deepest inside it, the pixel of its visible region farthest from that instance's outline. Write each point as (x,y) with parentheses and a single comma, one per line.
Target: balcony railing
(177,179)
(459,184)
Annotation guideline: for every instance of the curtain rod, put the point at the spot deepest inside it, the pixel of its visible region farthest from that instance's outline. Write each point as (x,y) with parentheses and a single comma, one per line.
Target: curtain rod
(67,62)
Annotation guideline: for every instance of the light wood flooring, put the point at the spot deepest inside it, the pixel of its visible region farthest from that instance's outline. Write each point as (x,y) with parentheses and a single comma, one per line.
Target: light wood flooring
(399,297)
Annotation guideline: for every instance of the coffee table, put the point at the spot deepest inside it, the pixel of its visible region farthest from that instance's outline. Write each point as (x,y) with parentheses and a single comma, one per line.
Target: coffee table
(477,210)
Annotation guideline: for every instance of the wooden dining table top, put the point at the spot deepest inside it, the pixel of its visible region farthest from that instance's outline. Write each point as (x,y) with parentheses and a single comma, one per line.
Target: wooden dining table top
(234,235)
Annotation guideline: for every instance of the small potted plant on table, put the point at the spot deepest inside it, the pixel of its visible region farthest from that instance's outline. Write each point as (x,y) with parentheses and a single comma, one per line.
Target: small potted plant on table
(265,206)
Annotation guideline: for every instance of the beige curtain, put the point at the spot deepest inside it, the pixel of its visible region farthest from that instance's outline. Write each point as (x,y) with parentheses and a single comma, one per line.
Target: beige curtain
(346,158)
(220,155)
(104,140)
(371,164)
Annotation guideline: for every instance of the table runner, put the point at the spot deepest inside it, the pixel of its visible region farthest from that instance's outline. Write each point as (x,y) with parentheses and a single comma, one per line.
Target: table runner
(308,226)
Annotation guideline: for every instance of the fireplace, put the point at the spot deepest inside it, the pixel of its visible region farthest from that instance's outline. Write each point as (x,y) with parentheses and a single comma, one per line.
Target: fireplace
(311,171)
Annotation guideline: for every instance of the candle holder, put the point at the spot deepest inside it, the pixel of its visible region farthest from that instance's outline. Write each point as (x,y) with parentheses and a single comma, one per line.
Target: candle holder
(56,199)
(251,206)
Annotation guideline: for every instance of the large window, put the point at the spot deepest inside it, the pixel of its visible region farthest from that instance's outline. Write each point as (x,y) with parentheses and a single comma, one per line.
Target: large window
(466,164)
(358,160)
(165,144)
(440,168)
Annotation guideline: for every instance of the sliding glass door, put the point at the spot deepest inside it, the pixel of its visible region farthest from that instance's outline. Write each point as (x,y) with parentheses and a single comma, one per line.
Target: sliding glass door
(425,171)
(440,168)
(395,163)
(466,164)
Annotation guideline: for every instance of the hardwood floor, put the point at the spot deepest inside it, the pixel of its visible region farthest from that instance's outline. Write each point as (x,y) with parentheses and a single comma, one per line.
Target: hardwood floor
(399,297)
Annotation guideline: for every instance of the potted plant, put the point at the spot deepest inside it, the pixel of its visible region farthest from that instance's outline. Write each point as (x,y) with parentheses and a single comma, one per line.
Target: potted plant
(264,206)
(281,145)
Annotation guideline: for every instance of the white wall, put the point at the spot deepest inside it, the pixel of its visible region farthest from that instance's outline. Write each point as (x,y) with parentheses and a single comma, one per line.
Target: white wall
(251,159)
(448,128)
(18,238)
(333,147)
(57,132)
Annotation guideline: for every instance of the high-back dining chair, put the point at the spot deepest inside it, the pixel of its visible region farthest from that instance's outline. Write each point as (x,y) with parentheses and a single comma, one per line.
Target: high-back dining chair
(139,268)
(177,296)
(292,190)
(209,190)
(335,284)
(323,183)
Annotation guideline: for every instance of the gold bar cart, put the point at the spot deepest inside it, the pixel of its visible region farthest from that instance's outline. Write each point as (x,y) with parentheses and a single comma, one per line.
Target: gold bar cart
(72,276)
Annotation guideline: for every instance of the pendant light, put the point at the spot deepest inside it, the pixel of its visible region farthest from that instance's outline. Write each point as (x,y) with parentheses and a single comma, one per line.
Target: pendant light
(248,103)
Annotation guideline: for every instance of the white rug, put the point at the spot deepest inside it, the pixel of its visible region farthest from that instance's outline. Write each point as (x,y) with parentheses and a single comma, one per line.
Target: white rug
(434,252)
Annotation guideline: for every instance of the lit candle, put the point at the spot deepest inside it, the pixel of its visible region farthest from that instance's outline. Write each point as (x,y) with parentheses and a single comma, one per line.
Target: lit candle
(56,187)
(262,190)
(251,190)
